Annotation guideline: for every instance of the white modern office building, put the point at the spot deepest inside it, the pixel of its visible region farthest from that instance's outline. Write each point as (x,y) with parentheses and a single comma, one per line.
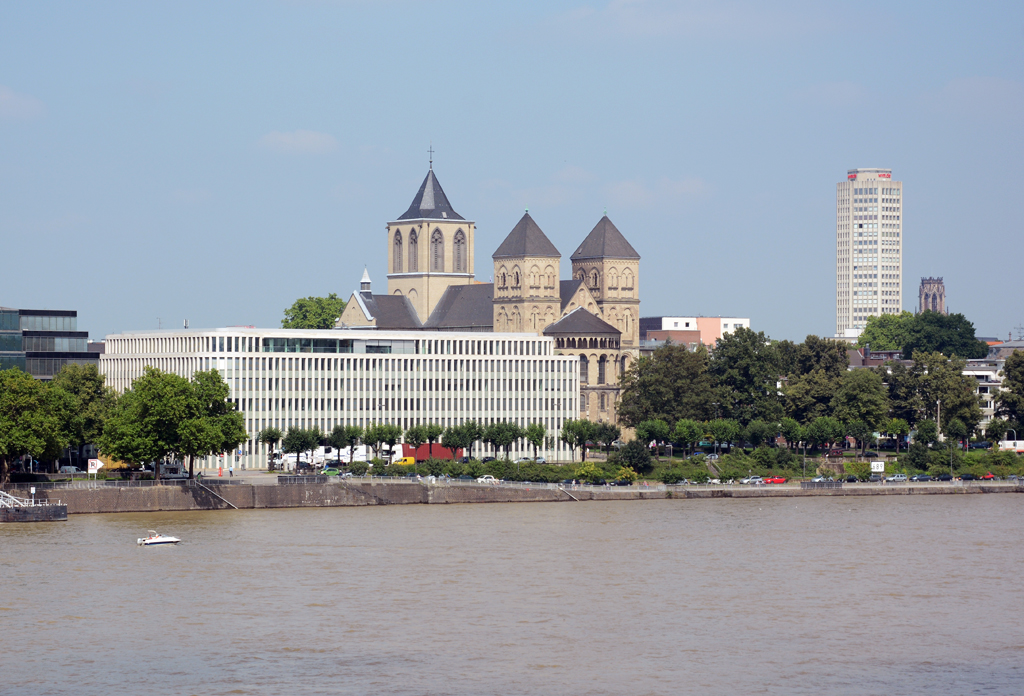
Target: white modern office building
(869,248)
(304,378)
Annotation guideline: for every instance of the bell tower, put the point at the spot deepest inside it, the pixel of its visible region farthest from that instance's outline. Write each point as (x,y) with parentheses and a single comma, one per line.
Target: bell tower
(526,289)
(430,247)
(610,268)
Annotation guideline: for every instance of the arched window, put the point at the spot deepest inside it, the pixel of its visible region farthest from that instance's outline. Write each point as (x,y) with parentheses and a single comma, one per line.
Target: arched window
(602,365)
(603,402)
(629,325)
(504,280)
(397,253)
(593,279)
(414,252)
(437,251)
(515,279)
(580,275)
(460,252)
(584,370)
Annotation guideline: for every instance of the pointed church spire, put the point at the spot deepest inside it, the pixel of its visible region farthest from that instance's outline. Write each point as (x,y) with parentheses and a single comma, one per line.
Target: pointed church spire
(430,202)
(364,284)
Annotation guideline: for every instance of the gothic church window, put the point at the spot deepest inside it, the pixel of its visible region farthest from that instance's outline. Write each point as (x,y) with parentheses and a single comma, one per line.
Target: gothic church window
(584,370)
(414,252)
(460,252)
(602,365)
(397,253)
(437,251)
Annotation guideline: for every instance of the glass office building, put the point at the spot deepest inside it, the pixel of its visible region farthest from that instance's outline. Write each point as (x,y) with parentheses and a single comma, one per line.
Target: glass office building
(42,341)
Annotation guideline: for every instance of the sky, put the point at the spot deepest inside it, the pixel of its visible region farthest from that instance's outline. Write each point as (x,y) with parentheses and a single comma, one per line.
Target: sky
(216,161)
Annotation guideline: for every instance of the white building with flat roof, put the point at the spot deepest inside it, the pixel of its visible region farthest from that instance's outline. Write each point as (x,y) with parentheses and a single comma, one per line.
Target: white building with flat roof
(869,248)
(303,378)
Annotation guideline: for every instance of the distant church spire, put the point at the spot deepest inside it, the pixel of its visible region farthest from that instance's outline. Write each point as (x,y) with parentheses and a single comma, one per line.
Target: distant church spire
(430,152)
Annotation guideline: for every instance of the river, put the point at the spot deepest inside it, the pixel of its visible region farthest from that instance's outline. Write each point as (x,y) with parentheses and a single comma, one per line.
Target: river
(770,596)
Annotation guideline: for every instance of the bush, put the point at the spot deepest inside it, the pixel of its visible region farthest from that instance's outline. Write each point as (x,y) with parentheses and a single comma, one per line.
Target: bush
(636,456)
(700,477)
(358,468)
(671,476)
(589,472)
(624,473)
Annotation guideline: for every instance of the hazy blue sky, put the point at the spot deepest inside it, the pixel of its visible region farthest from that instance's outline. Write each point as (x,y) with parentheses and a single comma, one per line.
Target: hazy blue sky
(214,161)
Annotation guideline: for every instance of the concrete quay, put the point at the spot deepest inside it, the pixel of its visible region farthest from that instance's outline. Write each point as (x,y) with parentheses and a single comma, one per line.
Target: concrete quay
(349,493)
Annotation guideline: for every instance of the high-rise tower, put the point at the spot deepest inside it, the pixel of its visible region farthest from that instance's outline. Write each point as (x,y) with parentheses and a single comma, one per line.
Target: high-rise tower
(869,248)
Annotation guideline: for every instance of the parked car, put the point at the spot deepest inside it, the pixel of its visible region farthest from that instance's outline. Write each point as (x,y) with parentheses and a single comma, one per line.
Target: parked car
(984,444)
(486,459)
(331,471)
(540,460)
(711,456)
(823,479)
(775,479)
(968,477)
(875,478)
(524,460)
(897,478)
(487,478)
(621,483)
(921,478)
(852,479)
(465,477)
(70,470)
(834,452)
(945,477)
(753,481)
(988,477)
(869,453)
(347,474)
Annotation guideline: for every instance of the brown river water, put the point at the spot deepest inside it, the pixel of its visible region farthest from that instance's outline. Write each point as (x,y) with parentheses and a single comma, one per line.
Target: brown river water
(857,596)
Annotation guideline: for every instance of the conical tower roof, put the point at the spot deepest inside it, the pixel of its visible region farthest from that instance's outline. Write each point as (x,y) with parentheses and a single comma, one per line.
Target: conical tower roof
(526,239)
(430,202)
(605,241)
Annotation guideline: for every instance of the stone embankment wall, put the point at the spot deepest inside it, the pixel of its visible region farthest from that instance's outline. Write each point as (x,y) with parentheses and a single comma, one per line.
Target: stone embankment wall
(337,494)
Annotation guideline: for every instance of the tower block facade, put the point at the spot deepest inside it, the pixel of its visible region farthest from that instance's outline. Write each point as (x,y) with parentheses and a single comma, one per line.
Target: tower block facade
(610,268)
(430,248)
(526,287)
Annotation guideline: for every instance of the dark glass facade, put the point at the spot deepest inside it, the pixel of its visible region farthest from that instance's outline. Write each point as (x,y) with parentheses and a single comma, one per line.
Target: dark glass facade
(42,341)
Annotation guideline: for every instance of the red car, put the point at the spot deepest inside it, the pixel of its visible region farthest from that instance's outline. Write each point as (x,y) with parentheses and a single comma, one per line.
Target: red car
(775,479)
(987,477)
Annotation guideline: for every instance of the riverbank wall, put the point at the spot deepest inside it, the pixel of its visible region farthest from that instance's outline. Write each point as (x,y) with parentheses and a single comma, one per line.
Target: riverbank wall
(110,499)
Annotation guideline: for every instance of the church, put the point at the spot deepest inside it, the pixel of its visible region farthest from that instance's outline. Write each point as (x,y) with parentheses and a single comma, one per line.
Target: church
(432,287)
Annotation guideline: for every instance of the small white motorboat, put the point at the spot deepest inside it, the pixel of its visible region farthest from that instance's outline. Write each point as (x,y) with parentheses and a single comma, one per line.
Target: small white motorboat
(154,538)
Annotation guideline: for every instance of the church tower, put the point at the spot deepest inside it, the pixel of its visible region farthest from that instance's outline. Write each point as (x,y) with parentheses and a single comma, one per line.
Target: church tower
(430,247)
(610,268)
(526,289)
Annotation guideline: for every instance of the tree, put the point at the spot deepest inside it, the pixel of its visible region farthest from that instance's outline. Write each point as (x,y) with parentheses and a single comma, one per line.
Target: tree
(809,396)
(792,431)
(758,432)
(415,437)
(568,436)
(899,428)
(636,456)
(503,435)
(956,431)
(576,433)
(886,331)
(295,443)
(927,432)
(145,423)
(314,439)
(724,431)
(746,370)
(454,438)
(212,423)
(904,398)
(339,440)
(862,397)
(689,432)
(535,433)
(94,401)
(859,431)
(825,354)
(952,335)
(672,383)
(941,378)
(390,434)
(354,434)
(996,429)
(474,431)
(270,436)
(432,431)
(313,313)
(606,434)
(1011,394)
(372,437)
(656,431)
(29,423)
(824,431)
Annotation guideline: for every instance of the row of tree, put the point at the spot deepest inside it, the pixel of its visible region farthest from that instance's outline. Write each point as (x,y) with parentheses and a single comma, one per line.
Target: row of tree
(750,378)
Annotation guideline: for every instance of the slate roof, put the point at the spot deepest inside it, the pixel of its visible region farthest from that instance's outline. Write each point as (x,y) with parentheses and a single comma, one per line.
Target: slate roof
(567,290)
(526,239)
(464,308)
(390,311)
(580,321)
(430,202)
(605,241)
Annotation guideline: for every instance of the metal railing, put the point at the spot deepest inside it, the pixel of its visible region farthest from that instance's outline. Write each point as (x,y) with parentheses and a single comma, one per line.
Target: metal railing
(117,483)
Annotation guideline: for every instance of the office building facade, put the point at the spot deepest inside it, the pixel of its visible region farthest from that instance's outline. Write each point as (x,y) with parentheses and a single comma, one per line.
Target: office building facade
(42,341)
(869,248)
(304,378)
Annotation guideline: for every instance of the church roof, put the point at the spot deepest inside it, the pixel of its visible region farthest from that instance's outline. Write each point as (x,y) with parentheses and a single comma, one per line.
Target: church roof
(526,239)
(605,241)
(580,321)
(464,308)
(390,311)
(430,202)
(567,289)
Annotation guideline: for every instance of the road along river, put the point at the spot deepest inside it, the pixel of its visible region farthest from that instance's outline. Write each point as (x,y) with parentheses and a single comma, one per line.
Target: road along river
(855,595)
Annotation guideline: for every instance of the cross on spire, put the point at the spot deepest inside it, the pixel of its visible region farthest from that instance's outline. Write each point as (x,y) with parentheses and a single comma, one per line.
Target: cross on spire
(430,152)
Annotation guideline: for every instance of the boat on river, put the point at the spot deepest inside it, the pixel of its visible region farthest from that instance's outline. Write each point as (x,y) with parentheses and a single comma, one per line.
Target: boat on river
(155,539)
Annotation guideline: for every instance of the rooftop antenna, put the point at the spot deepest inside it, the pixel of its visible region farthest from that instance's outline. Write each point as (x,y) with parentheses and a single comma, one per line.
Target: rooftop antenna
(430,152)
(1020,332)
(186,323)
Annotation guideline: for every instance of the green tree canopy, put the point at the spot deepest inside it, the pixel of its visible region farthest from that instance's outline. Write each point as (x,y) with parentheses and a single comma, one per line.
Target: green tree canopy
(825,354)
(886,331)
(34,418)
(535,434)
(688,432)
(745,366)
(636,456)
(941,378)
(1011,394)
(809,396)
(862,397)
(928,332)
(313,313)
(94,400)
(673,383)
